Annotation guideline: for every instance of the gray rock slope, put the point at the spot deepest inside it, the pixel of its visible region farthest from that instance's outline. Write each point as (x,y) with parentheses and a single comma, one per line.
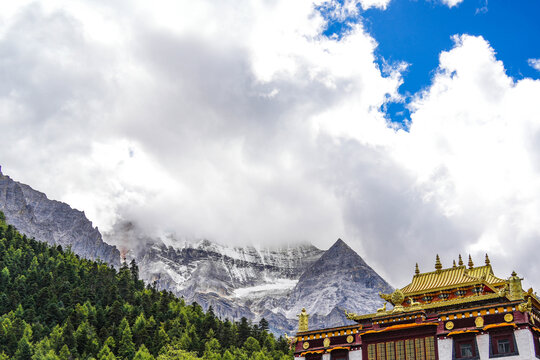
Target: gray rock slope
(262,282)
(339,280)
(54,222)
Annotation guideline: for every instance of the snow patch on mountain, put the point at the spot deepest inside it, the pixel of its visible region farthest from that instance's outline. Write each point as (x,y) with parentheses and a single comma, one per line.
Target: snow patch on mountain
(277,285)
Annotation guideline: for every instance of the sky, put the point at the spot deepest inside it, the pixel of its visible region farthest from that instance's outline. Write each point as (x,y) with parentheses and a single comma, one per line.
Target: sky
(408,128)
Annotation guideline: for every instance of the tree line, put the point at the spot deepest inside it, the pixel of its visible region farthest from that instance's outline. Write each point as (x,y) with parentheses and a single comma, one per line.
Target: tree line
(56,305)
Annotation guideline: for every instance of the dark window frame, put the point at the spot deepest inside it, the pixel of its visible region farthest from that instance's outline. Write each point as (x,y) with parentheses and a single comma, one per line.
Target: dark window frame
(457,341)
(334,354)
(494,338)
(314,357)
(536,340)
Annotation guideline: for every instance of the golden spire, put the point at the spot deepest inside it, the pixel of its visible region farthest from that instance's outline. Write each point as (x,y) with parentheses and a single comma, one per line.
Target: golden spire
(460,260)
(438,265)
(471,264)
(454,263)
(416,270)
(516,291)
(487,260)
(303,320)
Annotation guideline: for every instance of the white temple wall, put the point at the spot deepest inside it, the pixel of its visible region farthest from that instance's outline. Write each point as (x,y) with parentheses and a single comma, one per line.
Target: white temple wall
(482,341)
(326,357)
(445,349)
(355,355)
(524,342)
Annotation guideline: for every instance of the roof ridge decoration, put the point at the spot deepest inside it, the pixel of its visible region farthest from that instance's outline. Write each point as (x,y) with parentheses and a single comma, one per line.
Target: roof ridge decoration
(438,265)
(438,304)
(447,288)
(453,277)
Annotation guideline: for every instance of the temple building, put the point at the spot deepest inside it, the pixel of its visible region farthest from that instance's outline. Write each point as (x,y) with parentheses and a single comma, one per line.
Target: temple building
(462,312)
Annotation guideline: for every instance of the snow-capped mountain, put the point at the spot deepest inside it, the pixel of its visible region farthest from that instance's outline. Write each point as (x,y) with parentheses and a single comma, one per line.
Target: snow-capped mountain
(274,283)
(255,282)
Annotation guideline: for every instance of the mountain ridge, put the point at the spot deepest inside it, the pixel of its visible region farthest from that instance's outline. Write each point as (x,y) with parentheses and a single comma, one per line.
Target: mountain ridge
(53,222)
(252,282)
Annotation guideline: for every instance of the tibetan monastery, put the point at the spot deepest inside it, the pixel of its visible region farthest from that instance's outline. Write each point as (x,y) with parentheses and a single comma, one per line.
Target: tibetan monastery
(463,312)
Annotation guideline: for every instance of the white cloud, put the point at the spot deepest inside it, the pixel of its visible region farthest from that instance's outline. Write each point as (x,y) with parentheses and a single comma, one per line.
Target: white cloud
(452,3)
(473,150)
(381,4)
(534,63)
(240,122)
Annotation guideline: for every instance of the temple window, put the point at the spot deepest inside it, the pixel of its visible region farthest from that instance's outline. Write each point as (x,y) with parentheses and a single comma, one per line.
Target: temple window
(536,340)
(444,296)
(478,290)
(314,357)
(409,349)
(465,348)
(339,355)
(502,344)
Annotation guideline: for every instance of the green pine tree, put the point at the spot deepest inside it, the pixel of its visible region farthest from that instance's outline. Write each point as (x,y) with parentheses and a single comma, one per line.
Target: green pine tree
(126,347)
(24,349)
(143,354)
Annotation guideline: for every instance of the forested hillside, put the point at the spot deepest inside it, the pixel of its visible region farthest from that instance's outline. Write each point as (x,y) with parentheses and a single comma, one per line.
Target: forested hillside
(55,305)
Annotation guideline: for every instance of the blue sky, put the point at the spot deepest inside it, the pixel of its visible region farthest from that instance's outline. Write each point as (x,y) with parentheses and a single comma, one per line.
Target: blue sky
(416,31)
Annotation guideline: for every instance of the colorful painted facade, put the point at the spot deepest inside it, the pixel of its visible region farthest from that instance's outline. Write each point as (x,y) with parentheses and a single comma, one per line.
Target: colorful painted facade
(461,312)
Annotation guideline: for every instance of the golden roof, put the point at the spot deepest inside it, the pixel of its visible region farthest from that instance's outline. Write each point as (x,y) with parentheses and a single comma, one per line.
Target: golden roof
(451,278)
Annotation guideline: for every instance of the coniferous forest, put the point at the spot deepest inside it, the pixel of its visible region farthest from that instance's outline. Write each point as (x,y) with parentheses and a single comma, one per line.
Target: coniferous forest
(55,305)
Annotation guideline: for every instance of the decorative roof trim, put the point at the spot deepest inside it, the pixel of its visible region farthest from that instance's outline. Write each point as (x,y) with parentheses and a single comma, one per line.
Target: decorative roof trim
(433,305)
(495,326)
(399,327)
(311,352)
(453,277)
(459,332)
(339,348)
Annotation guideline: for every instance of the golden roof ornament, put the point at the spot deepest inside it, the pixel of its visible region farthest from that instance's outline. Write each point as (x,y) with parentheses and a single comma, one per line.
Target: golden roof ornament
(487,260)
(454,264)
(471,264)
(416,270)
(516,291)
(351,316)
(438,265)
(460,260)
(526,306)
(303,320)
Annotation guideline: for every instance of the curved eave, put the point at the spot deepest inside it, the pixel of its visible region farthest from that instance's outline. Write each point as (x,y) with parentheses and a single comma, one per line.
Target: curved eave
(433,305)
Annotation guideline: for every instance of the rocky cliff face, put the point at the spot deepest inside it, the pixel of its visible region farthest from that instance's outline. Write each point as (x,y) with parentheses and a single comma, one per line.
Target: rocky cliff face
(54,222)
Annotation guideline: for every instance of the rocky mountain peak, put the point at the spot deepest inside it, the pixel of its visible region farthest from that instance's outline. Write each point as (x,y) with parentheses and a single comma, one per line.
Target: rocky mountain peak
(339,279)
(338,258)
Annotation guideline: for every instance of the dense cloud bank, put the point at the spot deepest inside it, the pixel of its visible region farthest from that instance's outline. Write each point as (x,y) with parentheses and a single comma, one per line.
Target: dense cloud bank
(240,122)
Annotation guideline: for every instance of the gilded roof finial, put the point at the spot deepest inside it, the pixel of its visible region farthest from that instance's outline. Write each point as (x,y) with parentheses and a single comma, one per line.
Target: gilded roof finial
(303,320)
(460,260)
(454,263)
(471,264)
(416,270)
(487,260)
(438,265)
